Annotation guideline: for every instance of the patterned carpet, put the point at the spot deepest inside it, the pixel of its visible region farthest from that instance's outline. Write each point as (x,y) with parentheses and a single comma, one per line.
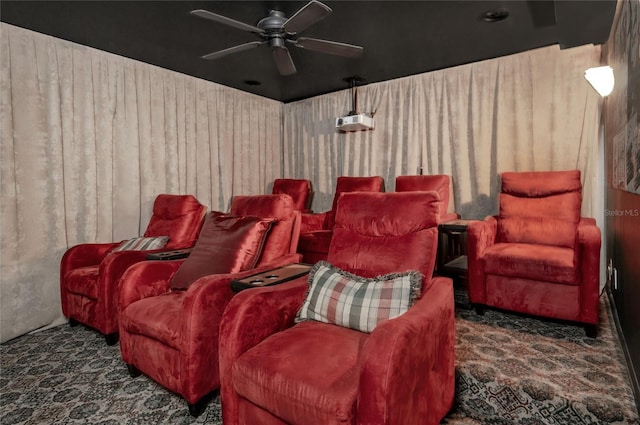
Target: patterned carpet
(69,375)
(510,370)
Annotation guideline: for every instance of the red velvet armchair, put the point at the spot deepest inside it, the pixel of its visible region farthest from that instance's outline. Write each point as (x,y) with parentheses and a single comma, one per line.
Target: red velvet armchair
(276,371)
(439,183)
(298,189)
(89,273)
(316,229)
(538,256)
(171,335)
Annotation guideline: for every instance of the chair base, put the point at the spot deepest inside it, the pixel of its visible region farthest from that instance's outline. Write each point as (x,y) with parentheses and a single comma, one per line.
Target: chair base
(199,406)
(591,331)
(111,339)
(133,371)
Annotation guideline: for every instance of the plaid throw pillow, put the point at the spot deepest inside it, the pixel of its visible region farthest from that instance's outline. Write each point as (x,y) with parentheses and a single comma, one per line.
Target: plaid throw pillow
(344,299)
(143,244)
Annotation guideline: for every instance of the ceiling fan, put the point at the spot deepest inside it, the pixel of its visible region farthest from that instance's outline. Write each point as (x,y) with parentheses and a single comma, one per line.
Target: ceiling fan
(276,30)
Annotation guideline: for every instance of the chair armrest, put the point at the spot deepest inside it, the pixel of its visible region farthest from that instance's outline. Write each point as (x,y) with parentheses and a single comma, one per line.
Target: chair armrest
(589,240)
(449,216)
(409,361)
(250,317)
(207,298)
(112,267)
(480,236)
(146,279)
(203,304)
(84,255)
(313,222)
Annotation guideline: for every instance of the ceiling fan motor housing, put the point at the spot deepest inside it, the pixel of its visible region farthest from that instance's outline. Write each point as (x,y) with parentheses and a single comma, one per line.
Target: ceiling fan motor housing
(274,23)
(273,27)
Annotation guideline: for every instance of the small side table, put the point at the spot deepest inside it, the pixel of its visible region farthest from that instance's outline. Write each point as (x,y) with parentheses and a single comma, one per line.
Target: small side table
(452,252)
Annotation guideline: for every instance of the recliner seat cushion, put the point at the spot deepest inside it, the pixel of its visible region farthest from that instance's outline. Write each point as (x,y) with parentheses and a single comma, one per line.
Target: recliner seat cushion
(177,216)
(83,281)
(298,189)
(158,317)
(345,184)
(370,250)
(551,220)
(281,208)
(316,241)
(295,390)
(540,183)
(540,207)
(439,183)
(533,262)
(172,206)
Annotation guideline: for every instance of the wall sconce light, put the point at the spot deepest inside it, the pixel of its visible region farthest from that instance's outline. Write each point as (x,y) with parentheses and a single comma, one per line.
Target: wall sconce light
(601,79)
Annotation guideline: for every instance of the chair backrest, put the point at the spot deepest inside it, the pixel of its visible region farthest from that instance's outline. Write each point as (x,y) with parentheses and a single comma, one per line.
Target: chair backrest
(298,189)
(347,184)
(380,233)
(178,216)
(283,236)
(440,183)
(540,207)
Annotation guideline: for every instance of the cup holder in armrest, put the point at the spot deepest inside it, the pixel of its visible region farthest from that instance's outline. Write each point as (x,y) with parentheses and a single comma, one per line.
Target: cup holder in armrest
(176,254)
(271,277)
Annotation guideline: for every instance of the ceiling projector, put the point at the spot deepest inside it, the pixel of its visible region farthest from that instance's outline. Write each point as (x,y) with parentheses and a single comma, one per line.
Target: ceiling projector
(356,122)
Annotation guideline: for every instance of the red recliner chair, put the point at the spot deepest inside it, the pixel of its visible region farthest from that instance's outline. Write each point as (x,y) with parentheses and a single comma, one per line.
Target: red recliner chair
(316,229)
(89,273)
(170,316)
(277,369)
(298,189)
(440,183)
(538,256)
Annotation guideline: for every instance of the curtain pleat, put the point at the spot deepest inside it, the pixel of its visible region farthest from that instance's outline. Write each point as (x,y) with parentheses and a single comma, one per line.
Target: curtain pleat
(531,111)
(89,139)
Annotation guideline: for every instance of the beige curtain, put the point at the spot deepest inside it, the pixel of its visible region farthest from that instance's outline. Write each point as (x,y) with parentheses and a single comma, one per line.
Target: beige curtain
(529,111)
(89,139)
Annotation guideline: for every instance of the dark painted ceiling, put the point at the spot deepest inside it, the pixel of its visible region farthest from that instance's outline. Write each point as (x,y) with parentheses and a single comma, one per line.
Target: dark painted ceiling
(400,38)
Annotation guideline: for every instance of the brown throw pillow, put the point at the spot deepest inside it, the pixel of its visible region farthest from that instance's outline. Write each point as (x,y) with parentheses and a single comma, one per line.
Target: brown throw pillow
(227,244)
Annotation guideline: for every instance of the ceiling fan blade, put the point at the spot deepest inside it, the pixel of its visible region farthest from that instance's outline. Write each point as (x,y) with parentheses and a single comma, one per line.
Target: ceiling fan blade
(330,47)
(234,49)
(283,61)
(224,20)
(306,16)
